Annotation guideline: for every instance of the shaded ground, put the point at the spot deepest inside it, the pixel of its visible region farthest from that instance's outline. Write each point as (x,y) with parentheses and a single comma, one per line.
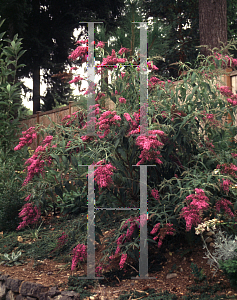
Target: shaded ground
(55,270)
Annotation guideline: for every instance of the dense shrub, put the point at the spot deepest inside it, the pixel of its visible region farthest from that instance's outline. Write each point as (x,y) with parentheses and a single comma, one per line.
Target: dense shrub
(189,143)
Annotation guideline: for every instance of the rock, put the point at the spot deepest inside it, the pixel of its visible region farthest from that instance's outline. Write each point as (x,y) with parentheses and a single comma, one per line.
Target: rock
(10,295)
(13,284)
(15,289)
(53,291)
(3,290)
(32,289)
(171,275)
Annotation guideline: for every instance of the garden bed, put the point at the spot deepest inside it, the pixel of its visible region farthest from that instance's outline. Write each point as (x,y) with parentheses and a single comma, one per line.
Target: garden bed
(171,265)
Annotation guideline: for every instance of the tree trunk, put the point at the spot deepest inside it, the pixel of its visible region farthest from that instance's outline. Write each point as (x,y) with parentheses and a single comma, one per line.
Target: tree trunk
(36,90)
(212,23)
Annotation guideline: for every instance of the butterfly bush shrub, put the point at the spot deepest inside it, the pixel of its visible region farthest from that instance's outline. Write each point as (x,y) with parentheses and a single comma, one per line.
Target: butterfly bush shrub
(191,164)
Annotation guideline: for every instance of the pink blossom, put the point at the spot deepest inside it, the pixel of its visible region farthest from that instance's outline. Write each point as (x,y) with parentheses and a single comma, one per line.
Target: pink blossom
(155,228)
(103,175)
(123,50)
(47,140)
(29,214)
(155,194)
(123,74)
(122,100)
(76,79)
(79,253)
(223,203)
(228,169)
(66,118)
(100,44)
(192,212)
(81,52)
(91,88)
(112,60)
(28,198)
(151,66)
(166,230)
(99,96)
(123,260)
(225,185)
(28,136)
(127,117)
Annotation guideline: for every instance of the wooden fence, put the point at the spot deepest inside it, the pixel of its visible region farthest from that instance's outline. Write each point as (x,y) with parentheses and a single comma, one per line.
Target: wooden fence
(56,115)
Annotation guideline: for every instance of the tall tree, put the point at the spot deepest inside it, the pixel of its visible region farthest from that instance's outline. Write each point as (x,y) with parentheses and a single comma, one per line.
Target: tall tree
(212,23)
(48,31)
(183,38)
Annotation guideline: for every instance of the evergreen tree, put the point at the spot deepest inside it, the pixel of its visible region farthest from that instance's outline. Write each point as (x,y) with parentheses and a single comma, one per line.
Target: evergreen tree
(46,27)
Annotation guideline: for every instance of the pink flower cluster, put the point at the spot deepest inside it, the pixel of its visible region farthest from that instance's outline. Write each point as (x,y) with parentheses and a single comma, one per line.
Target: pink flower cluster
(134,223)
(226,91)
(225,185)
(91,88)
(223,203)
(150,66)
(99,96)
(36,164)
(166,230)
(228,169)
(103,174)
(234,155)
(122,100)
(100,44)
(226,60)
(80,51)
(193,211)
(28,136)
(62,240)
(79,253)
(154,81)
(155,194)
(123,260)
(74,116)
(111,61)
(106,120)
(211,119)
(29,214)
(76,79)
(134,123)
(28,198)
(123,50)
(146,143)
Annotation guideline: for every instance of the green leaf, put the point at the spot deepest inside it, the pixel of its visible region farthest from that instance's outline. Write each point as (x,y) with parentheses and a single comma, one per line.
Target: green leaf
(193,77)
(59,191)
(116,143)
(56,157)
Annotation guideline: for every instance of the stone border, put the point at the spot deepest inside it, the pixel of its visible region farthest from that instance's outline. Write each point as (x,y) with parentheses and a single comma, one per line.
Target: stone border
(16,289)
